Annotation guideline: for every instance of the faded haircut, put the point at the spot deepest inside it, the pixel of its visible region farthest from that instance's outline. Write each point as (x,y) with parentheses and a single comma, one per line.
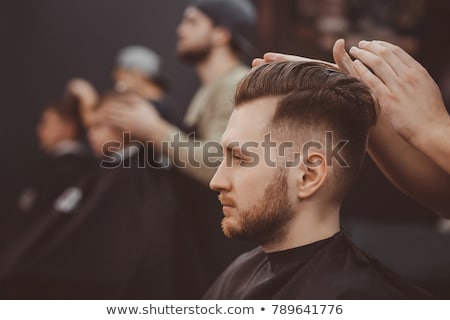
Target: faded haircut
(315,97)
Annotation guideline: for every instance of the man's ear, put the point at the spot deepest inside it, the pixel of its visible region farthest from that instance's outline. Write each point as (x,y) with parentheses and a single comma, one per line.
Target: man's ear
(221,36)
(311,175)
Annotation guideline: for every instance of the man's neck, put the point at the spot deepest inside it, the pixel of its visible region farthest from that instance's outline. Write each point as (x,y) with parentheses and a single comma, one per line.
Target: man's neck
(219,62)
(307,227)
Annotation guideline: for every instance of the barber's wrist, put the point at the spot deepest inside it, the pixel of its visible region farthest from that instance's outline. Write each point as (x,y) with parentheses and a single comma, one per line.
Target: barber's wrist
(442,130)
(432,135)
(161,131)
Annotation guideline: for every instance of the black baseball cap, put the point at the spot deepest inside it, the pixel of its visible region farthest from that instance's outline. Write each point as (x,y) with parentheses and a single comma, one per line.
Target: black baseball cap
(237,16)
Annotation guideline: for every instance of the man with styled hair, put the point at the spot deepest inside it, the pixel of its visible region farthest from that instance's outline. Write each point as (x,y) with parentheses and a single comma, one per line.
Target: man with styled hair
(289,202)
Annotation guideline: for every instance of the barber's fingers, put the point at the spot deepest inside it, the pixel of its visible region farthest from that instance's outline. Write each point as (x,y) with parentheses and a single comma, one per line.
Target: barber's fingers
(380,67)
(401,55)
(257,62)
(114,113)
(342,59)
(118,118)
(278,57)
(387,52)
(273,57)
(378,87)
(130,99)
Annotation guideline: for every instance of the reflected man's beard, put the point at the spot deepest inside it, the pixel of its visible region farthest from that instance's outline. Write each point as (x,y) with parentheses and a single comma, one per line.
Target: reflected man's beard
(194,56)
(266,221)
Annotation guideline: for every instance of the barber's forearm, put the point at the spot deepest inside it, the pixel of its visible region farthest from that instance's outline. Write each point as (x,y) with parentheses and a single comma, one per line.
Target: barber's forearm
(191,156)
(434,141)
(159,132)
(409,169)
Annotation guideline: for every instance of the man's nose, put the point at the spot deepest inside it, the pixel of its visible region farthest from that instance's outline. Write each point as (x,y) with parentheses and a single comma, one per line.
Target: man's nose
(220,181)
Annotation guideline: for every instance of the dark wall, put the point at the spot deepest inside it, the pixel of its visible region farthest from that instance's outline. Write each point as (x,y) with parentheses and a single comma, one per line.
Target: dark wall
(47,42)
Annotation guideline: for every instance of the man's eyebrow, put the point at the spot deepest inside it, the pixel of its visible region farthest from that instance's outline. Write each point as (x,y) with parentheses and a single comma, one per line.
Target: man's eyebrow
(235,149)
(230,147)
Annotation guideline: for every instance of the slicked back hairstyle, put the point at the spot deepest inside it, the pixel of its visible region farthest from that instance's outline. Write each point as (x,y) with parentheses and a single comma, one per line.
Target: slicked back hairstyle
(316,96)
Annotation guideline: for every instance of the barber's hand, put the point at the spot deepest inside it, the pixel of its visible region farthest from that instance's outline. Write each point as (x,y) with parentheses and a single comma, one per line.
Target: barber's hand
(280,57)
(275,57)
(342,59)
(86,95)
(132,114)
(83,90)
(407,94)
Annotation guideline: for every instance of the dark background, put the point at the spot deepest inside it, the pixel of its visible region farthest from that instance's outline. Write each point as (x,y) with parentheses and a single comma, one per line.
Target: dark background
(46,42)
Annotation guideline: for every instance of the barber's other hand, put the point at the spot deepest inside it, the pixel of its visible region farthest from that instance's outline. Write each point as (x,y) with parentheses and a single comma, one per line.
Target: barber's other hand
(280,57)
(133,114)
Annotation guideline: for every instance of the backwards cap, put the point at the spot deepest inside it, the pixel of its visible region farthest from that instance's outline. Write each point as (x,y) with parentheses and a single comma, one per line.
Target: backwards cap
(237,16)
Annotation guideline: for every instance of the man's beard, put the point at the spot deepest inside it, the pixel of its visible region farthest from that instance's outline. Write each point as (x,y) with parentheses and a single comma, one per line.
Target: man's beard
(267,220)
(194,56)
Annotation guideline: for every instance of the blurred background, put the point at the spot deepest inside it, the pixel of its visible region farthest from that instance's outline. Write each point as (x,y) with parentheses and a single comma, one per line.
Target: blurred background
(47,42)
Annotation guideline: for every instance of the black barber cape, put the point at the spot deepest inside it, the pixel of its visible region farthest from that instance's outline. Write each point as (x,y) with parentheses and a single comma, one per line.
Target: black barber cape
(332,268)
(108,237)
(53,175)
(60,169)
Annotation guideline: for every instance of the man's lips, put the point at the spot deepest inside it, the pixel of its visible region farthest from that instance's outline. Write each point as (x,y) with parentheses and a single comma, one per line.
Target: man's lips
(226,202)
(227,210)
(227,205)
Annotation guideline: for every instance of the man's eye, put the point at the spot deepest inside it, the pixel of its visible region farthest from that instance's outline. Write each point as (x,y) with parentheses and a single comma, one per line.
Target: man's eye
(237,156)
(220,160)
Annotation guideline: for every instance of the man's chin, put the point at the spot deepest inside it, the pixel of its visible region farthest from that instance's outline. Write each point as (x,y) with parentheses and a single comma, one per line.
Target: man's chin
(192,57)
(230,230)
